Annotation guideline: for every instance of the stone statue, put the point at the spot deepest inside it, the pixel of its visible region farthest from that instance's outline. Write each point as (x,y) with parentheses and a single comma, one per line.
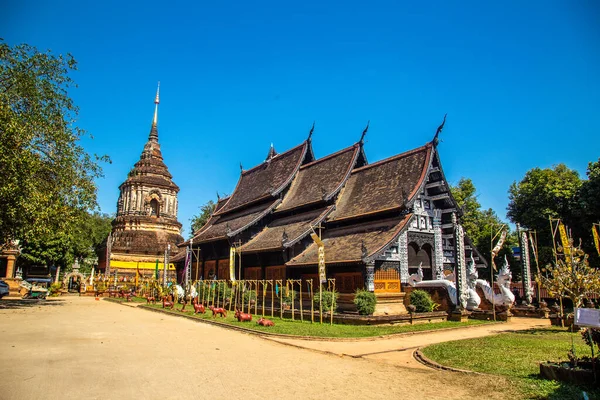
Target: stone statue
(503,280)
(473,299)
(416,280)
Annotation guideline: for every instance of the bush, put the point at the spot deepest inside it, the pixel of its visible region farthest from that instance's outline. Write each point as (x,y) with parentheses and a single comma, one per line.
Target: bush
(365,302)
(328,298)
(422,301)
(249,296)
(287,295)
(54,289)
(223,291)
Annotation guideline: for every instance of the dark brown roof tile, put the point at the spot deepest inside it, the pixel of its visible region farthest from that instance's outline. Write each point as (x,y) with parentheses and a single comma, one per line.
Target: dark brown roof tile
(266,179)
(321,179)
(346,245)
(382,185)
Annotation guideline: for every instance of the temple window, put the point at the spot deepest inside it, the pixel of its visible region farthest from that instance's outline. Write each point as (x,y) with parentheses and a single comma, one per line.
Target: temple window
(154,208)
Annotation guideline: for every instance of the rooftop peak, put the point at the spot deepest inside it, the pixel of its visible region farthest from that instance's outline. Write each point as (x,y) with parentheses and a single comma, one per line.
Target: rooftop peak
(154,130)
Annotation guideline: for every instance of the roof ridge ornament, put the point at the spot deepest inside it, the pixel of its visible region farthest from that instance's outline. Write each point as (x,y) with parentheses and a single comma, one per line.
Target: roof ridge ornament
(362,137)
(154,130)
(436,139)
(311,132)
(241,168)
(272,153)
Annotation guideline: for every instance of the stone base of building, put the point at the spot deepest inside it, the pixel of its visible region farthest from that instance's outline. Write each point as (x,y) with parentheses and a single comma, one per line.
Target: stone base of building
(390,304)
(459,315)
(488,315)
(530,311)
(14,285)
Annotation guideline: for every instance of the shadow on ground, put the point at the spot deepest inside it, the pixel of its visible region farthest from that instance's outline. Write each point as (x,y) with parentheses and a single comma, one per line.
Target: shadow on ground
(13,304)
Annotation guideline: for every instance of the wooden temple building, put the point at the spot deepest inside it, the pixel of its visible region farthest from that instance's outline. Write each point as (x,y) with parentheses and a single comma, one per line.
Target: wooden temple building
(379,222)
(146,222)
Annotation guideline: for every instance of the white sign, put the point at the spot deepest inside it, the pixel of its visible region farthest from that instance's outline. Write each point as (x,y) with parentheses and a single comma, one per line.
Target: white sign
(587,317)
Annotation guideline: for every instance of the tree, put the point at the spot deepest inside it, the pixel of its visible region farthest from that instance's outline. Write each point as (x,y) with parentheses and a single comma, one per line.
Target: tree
(588,210)
(198,221)
(572,277)
(80,242)
(542,194)
(46,177)
(479,224)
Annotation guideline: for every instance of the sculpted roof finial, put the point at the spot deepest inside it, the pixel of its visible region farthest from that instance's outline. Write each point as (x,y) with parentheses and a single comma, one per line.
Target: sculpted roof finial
(154,130)
(362,137)
(311,132)
(436,139)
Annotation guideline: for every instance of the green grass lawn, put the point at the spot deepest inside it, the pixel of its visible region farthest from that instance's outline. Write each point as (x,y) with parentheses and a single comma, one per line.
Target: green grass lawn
(306,328)
(516,356)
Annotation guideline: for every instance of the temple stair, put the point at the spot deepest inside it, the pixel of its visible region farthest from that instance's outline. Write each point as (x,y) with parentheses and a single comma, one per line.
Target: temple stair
(390,304)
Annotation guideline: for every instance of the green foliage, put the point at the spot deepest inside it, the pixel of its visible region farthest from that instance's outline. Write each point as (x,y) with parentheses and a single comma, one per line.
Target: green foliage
(365,302)
(287,295)
(47,176)
(544,193)
(306,328)
(479,224)
(54,289)
(571,277)
(249,295)
(422,301)
(516,355)
(223,291)
(591,337)
(82,241)
(329,298)
(199,220)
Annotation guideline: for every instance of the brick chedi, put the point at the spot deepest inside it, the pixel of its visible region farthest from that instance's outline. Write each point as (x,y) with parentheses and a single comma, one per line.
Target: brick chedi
(146,222)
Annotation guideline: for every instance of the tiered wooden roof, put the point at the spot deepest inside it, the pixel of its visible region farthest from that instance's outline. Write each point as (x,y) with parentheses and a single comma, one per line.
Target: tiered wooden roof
(266,180)
(352,245)
(285,232)
(383,186)
(310,197)
(256,194)
(372,209)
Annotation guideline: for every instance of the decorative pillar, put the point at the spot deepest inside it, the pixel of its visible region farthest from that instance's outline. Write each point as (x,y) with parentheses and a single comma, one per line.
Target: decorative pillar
(526,267)
(438,249)
(403,254)
(10,265)
(370,272)
(460,271)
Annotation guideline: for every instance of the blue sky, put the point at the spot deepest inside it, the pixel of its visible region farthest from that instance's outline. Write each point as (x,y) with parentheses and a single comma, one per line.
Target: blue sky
(519,81)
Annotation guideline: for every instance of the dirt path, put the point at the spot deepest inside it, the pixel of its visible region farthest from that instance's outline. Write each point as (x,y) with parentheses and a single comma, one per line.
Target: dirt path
(74,348)
(398,350)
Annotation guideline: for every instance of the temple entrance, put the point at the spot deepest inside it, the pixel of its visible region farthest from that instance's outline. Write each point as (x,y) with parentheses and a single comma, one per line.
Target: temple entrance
(420,256)
(75,282)
(387,278)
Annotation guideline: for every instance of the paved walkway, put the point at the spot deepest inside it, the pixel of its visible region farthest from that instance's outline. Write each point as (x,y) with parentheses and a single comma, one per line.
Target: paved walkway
(398,350)
(79,348)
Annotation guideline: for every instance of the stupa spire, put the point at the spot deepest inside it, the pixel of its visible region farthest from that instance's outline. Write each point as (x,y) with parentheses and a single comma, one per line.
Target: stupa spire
(154,130)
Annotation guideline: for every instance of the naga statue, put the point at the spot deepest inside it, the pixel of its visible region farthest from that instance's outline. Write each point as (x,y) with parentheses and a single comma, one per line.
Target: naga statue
(505,297)
(416,280)
(473,299)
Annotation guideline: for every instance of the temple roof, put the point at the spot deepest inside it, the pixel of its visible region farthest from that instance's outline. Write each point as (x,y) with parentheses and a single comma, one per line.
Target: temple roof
(382,186)
(150,169)
(225,226)
(284,232)
(266,179)
(355,244)
(320,180)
